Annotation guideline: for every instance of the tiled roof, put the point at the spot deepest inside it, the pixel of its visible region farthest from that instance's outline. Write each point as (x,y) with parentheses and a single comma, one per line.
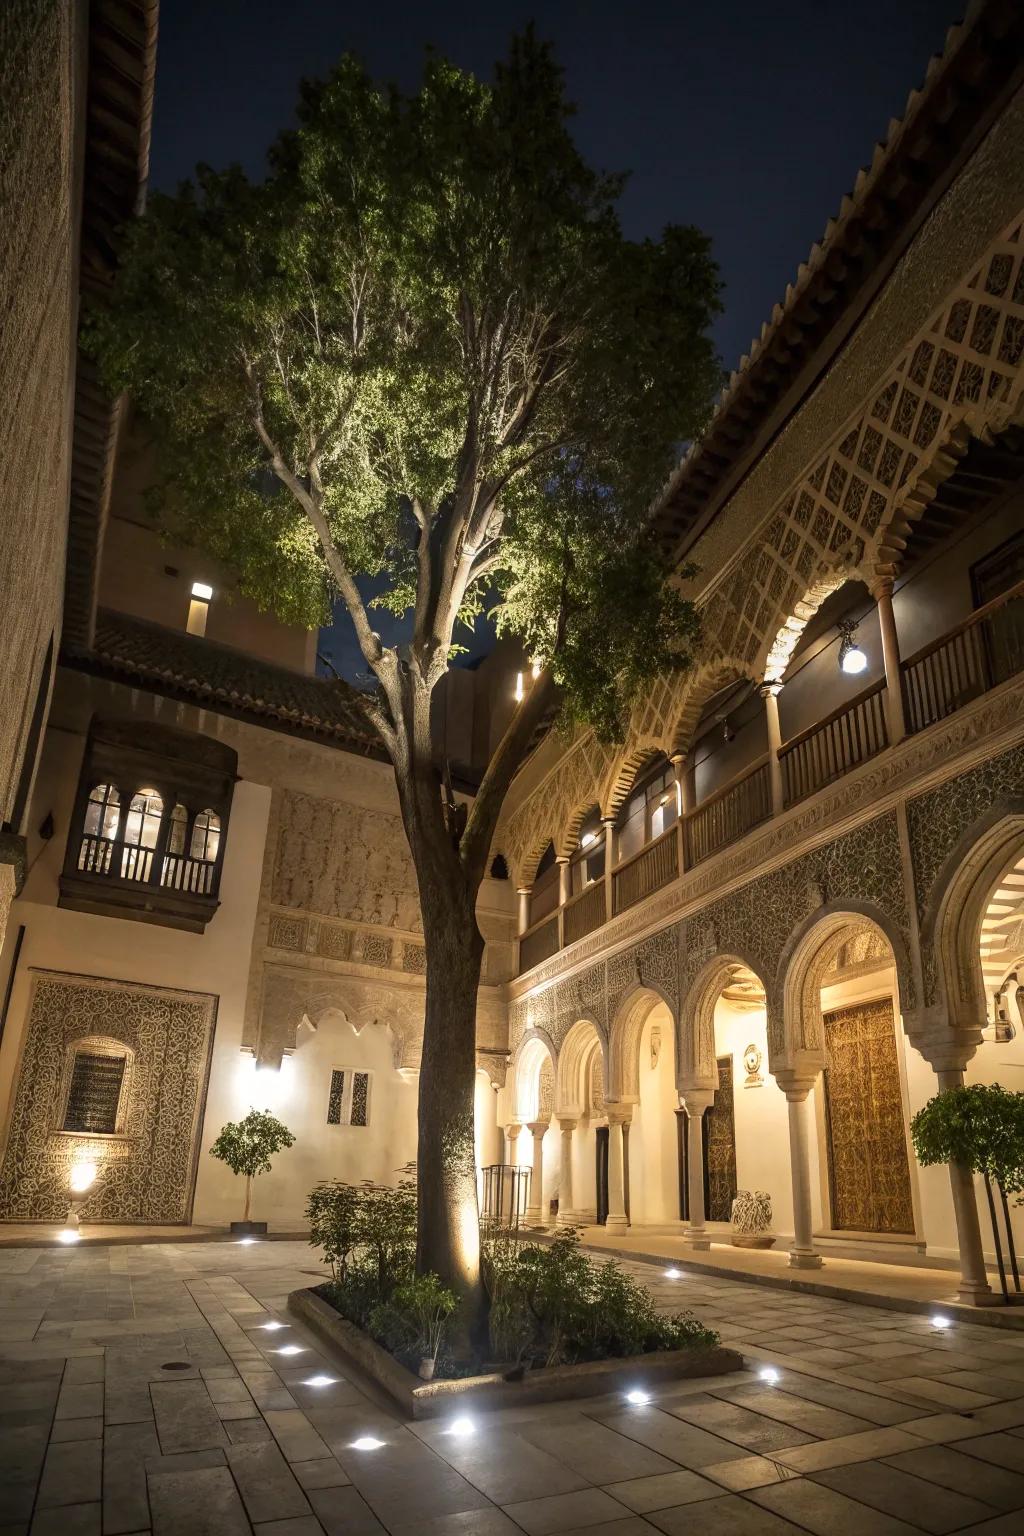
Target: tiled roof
(220,678)
(964,91)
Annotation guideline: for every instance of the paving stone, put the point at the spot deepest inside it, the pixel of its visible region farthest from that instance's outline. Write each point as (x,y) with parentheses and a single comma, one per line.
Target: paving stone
(204,1503)
(742,1425)
(950,1468)
(344,1512)
(817,1420)
(507,1468)
(268,1489)
(77,1429)
(729,1516)
(683,1443)
(469,1522)
(942,1393)
(186,1419)
(295,1434)
(748,1472)
(246,1431)
(565,1511)
(69,1520)
(595,1451)
(301,1525)
(1001,1449)
(80,1402)
(909,1498)
(867,1446)
(826,1512)
(71,1474)
(325,1472)
(186,1461)
(662,1491)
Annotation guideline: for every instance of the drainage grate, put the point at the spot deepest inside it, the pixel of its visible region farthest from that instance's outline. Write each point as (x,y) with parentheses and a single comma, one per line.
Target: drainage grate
(177,1365)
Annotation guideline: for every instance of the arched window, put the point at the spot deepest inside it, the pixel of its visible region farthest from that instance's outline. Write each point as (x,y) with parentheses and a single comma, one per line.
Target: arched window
(206,837)
(102,810)
(651,809)
(587,863)
(141,830)
(544,893)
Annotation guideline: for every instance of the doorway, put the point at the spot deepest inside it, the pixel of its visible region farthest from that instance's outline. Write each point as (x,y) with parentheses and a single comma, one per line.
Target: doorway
(869,1171)
(602,1174)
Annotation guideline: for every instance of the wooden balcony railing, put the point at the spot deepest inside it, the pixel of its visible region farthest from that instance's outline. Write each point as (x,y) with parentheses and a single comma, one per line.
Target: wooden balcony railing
(646,872)
(825,751)
(538,943)
(983,651)
(127,862)
(192,875)
(583,913)
(727,814)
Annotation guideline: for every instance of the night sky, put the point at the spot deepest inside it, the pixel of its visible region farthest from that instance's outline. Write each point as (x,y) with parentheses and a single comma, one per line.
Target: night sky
(748,118)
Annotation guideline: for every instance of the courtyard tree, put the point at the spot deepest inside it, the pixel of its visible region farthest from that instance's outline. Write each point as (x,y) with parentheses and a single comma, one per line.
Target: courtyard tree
(247,1146)
(421,360)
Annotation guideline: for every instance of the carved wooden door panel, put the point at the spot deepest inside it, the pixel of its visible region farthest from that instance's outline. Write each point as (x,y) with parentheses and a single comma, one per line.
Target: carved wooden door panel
(720,1147)
(869,1174)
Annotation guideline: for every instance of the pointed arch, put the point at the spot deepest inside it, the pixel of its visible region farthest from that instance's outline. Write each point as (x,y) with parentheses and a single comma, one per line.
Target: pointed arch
(575,1058)
(625,771)
(702,685)
(788,632)
(536,1050)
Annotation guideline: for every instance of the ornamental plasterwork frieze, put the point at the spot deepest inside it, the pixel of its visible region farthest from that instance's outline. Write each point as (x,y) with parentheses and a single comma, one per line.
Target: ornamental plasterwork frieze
(293,997)
(960,376)
(344,861)
(147,1170)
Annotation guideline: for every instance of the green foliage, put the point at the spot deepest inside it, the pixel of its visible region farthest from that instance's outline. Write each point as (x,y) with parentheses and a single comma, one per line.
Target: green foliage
(550,1304)
(980,1126)
(416,1318)
(248,1145)
(367,1226)
(427,317)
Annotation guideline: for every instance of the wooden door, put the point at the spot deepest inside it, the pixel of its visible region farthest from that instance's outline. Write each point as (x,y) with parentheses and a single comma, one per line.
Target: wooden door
(602,1174)
(869,1172)
(720,1148)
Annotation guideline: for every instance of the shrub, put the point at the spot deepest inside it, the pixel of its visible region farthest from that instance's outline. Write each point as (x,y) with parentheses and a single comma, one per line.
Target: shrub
(416,1318)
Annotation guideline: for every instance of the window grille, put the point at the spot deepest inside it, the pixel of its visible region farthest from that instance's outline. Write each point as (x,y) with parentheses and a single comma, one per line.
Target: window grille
(348,1102)
(95,1093)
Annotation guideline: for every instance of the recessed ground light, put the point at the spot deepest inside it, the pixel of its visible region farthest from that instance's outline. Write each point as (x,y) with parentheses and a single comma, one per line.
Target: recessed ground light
(769,1374)
(202,590)
(636,1397)
(461,1427)
(938,1321)
(273,1326)
(319,1381)
(673,1274)
(246,1242)
(367,1443)
(69,1236)
(290,1349)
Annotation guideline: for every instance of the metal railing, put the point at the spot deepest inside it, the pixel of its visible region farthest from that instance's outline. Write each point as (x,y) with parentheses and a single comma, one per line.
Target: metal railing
(504,1196)
(646,872)
(728,813)
(583,913)
(538,943)
(983,651)
(831,747)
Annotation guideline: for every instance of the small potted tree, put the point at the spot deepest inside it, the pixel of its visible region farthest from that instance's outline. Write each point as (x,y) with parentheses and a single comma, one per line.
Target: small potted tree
(247,1147)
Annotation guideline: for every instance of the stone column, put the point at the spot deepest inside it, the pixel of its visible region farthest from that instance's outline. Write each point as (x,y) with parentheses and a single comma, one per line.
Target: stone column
(770,693)
(973,1286)
(523,892)
(564,892)
(608,822)
(616,1221)
(684,800)
(566,1212)
(803,1254)
(536,1211)
(881,591)
(695,1101)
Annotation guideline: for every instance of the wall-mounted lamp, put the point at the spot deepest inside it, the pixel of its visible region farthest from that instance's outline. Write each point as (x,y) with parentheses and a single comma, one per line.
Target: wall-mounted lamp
(587,839)
(852,659)
(199,608)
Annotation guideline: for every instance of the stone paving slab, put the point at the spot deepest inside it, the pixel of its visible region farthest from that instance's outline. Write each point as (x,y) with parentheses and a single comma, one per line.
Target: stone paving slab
(141,1392)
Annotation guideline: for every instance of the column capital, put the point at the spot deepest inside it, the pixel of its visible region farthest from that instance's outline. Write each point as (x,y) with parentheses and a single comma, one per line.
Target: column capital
(880,585)
(675,758)
(538,1127)
(567,1124)
(619,1114)
(512,1129)
(696,1100)
(796,1082)
(769,689)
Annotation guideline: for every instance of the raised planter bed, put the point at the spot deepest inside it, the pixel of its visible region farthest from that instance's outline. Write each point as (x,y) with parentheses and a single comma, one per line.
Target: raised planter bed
(424,1400)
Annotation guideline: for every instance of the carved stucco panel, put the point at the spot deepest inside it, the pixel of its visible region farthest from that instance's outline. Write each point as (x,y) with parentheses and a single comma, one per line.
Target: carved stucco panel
(148,1173)
(343,860)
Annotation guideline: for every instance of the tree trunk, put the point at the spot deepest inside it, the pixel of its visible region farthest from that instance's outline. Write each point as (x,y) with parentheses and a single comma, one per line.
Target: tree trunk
(248,1196)
(448,1233)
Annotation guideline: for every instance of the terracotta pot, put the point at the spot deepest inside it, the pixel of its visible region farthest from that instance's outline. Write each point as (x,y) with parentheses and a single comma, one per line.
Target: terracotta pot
(427,1365)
